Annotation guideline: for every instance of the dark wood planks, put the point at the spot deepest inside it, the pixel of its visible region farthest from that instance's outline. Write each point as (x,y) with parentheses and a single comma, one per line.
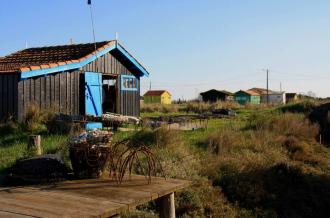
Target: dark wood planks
(8,95)
(128,102)
(59,92)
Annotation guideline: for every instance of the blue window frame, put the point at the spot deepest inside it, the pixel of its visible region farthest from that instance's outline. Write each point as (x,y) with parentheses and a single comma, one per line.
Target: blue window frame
(129,83)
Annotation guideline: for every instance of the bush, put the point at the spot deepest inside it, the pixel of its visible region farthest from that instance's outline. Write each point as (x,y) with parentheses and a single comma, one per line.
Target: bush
(35,119)
(287,124)
(161,108)
(305,106)
(278,191)
(8,127)
(62,127)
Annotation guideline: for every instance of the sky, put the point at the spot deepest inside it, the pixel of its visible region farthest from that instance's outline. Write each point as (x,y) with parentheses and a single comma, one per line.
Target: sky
(190,46)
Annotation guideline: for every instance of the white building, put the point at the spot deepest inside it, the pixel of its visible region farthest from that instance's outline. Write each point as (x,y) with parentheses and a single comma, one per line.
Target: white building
(274,97)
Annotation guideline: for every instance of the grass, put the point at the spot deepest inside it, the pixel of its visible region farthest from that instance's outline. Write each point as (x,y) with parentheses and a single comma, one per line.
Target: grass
(265,162)
(14,146)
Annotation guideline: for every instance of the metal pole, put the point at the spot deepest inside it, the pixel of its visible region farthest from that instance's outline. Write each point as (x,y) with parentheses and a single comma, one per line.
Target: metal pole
(267,88)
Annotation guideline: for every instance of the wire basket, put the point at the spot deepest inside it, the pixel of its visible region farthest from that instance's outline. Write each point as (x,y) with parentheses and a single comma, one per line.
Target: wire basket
(89,160)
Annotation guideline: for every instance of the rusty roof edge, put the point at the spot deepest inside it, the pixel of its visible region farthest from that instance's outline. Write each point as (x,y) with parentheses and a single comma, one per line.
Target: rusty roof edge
(76,64)
(68,66)
(24,69)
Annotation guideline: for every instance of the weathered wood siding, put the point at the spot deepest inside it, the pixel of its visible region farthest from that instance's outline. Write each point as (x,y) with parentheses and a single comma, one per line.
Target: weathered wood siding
(8,95)
(59,92)
(128,102)
(64,92)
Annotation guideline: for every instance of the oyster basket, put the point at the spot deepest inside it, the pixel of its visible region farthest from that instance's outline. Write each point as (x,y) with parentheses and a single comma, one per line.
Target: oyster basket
(89,157)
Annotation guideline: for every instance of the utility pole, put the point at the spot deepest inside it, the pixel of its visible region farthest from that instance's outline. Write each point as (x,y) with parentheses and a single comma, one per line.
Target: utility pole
(267,71)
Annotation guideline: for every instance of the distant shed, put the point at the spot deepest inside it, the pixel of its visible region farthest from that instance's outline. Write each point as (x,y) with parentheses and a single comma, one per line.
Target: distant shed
(72,79)
(214,95)
(247,97)
(157,96)
(292,97)
(271,97)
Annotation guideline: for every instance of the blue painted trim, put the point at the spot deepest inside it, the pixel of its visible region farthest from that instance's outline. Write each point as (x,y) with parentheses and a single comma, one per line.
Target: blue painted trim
(123,77)
(93,125)
(133,60)
(89,93)
(66,67)
(40,72)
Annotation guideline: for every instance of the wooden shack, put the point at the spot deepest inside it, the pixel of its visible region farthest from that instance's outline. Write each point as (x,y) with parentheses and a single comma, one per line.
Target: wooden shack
(247,97)
(270,96)
(157,97)
(214,95)
(77,79)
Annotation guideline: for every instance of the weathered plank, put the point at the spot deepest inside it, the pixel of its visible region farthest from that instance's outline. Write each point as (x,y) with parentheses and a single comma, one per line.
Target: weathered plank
(85,198)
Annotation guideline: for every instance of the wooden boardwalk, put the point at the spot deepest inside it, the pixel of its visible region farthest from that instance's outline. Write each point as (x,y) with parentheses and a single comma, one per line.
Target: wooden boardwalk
(84,198)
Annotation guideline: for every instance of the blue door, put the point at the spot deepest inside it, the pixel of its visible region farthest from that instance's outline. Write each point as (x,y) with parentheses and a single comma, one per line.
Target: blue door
(93,94)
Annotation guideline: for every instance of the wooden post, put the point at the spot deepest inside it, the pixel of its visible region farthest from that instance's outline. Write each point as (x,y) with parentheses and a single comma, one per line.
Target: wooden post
(167,206)
(34,144)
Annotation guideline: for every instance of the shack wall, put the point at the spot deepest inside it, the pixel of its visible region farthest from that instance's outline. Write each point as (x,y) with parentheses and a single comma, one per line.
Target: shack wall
(8,95)
(128,102)
(58,92)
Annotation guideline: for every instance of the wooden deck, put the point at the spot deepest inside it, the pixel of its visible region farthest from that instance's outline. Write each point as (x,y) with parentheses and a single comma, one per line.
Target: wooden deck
(84,198)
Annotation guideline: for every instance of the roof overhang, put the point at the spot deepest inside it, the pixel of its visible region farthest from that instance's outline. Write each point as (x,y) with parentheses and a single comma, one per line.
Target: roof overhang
(113,47)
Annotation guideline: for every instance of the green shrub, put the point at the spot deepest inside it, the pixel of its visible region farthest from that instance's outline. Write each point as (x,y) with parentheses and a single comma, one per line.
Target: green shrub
(35,119)
(161,108)
(305,106)
(8,127)
(278,191)
(288,124)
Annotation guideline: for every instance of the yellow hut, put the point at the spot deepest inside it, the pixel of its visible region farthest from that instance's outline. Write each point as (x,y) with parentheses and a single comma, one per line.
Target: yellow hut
(157,96)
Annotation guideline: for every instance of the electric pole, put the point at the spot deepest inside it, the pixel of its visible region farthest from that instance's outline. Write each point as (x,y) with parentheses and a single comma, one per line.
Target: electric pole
(267,71)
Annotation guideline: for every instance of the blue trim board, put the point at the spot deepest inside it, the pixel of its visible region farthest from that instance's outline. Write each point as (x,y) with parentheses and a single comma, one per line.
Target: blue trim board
(132,59)
(128,77)
(93,125)
(40,72)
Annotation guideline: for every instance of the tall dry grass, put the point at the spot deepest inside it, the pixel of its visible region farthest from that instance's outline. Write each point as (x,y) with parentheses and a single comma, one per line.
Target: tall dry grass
(178,160)
(248,164)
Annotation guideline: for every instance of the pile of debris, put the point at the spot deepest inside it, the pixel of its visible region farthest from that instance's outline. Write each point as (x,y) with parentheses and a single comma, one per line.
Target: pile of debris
(112,117)
(89,153)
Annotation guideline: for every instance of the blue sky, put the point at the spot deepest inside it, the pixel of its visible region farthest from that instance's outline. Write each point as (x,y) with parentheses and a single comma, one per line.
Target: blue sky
(190,46)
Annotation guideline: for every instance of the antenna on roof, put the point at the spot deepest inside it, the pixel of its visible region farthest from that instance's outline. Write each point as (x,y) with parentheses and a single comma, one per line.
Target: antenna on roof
(71,41)
(26,44)
(117,36)
(89,2)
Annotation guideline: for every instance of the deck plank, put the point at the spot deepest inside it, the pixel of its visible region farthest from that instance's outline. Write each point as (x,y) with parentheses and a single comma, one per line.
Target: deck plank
(7,214)
(101,197)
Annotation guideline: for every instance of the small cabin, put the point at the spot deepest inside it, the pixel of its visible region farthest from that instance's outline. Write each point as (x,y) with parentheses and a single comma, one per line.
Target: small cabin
(157,97)
(270,96)
(247,97)
(291,97)
(214,95)
(77,79)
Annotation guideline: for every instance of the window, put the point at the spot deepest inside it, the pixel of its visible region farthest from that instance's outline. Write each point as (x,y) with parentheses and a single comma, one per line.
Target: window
(129,83)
